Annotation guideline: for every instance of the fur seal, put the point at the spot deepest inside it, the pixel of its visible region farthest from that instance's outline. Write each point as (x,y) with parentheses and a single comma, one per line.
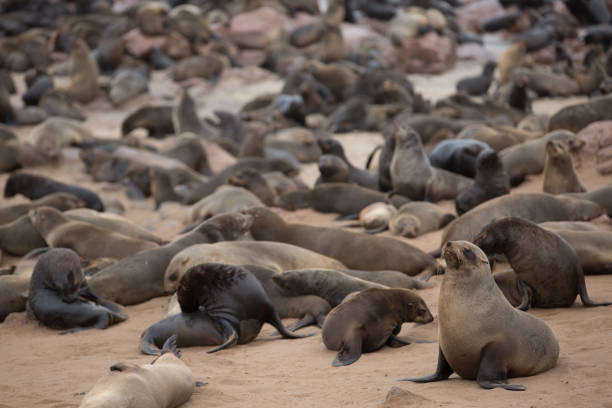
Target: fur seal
(233,299)
(138,278)
(332,169)
(87,240)
(224,199)
(478,85)
(491,181)
(486,134)
(20,237)
(188,149)
(257,184)
(59,201)
(413,176)
(84,78)
(35,187)
(482,337)
(559,174)
(591,246)
(272,255)
(376,253)
(529,157)
(417,218)
(457,155)
(369,320)
(536,207)
(546,263)
(576,117)
(601,196)
(375,217)
(56,289)
(157,120)
(166,382)
(362,177)
(343,198)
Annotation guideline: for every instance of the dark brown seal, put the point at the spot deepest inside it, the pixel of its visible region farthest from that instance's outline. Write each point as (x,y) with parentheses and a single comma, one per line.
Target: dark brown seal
(60,298)
(374,253)
(541,259)
(482,337)
(371,319)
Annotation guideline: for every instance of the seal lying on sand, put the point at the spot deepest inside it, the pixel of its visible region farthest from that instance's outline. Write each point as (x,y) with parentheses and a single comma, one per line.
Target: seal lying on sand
(57,288)
(371,319)
(482,337)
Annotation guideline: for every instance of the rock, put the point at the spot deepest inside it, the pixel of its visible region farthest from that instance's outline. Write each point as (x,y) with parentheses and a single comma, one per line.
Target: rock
(471,15)
(254,29)
(431,54)
(595,136)
(177,46)
(398,397)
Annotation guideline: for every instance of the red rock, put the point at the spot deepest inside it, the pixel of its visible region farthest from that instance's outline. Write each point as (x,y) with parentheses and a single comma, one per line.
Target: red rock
(255,28)
(431,54)
(595,136)
(251,58)
(470,15)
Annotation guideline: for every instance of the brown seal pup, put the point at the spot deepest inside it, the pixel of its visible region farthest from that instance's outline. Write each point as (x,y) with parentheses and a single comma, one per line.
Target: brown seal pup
(233,298)
(362,177)
(59,201)
(57,288)
(333,170)
(273,255)
(34,187)
(482,337)
(375,217)
(166,382)
(87,240)
(413,176)
(138,278)
(84,78)
(369,320)
(541,259)
(343,198)
(559,174)
(537,207)
(478,85)
(224,199)
(417,218)
(157,120)
(491,181)
(375,253)
(253,181)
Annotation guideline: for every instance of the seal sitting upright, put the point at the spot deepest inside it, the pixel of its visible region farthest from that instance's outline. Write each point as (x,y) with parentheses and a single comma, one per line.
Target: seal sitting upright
(60,298)
(481,335)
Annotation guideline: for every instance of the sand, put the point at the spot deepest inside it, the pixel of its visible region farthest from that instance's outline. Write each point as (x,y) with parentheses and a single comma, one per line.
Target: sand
(44,369)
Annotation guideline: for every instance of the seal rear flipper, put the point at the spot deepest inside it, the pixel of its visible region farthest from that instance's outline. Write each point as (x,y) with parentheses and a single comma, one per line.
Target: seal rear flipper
(373,231)
(492,371)
(584,296)
(278,324)
(147,346)
(443,371)
(171,347)
(231,337)
(526,296)
(351,350)
(347,217)
(395,342)
(307,320)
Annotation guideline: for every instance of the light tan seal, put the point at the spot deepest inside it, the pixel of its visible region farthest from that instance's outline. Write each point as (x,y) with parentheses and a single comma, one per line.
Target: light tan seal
(417,218)
(84,78)
(482,337)
(559,174)
(165,383)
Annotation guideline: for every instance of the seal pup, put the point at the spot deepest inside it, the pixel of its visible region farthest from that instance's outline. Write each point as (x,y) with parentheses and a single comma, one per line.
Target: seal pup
(233,298)
(362,177)
(20,237)
(545,262)
(369,320)
(87,240)
(166,382)
(537,207)
(375,217)
(59,201)
(559,174)
(482,337)
(332,169)
(84,78)
(157,120)
(60,298)
(375,253)
(478,85)
(457,155)
(225,199)
(140,277)
(491,181)
(35,187)
(417,218)
(253,181)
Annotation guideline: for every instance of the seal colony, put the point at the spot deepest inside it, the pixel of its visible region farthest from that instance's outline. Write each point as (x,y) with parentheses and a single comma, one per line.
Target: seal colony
(180,159)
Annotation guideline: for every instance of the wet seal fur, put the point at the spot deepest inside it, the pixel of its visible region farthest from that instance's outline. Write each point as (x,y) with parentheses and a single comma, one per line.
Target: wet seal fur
(371,319)
(482,337)
(60,298)
(541,259)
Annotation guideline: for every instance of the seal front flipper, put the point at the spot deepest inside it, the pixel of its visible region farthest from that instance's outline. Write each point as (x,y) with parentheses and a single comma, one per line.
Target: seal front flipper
(526,296)
(231,337)
(443,371)
(351,350)
(492,371)
(394,341)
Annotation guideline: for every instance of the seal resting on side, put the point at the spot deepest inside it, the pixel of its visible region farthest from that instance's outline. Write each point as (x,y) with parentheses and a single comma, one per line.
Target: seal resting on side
(482,337)
(371,319)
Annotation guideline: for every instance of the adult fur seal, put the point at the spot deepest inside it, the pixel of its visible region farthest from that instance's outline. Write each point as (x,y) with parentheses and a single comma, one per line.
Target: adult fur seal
(541,259)
(592,247)
(84,78)
(417,218)
(537,207)
(157,120)
(59,201)
(333,169)
(482,337)
(138,278)
(559,174)
(224,199)
(35,187)
(342,198)
(233,299)
(20,237)
(87,240)
(273,255)
(601,196)
(577,117)
(356,251)
(166,382)
(371,319)
(491,181)
(56,289)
